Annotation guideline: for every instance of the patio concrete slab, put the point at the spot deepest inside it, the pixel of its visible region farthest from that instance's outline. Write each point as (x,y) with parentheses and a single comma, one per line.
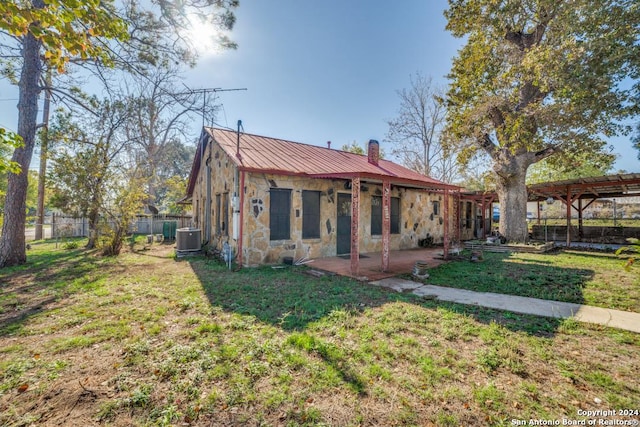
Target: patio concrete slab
(400,262)
(602,316)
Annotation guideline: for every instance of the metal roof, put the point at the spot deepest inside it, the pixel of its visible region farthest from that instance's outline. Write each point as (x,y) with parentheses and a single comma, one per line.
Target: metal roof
(597,187)
(278,156)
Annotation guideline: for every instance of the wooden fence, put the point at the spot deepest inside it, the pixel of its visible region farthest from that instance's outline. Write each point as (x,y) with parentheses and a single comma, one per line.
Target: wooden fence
(59,226)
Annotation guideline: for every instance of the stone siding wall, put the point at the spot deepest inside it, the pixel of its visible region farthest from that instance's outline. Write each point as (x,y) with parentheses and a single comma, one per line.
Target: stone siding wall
(419,218)
(416,219)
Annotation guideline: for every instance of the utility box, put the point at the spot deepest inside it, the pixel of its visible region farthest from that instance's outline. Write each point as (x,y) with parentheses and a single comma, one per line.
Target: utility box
(169,230)
(188,239)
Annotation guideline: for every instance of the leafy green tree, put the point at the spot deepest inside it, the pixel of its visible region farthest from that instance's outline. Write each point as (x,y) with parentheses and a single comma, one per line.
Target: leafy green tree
(128,198)
(356,148)
(353,148)
(86,160)
(55,31)
(8,142)
(540,79)
(636,139)
(174,192)
(580,165)
(56,34)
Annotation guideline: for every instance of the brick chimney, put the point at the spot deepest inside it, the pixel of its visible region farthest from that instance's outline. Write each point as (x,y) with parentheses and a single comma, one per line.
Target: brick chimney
(374,152)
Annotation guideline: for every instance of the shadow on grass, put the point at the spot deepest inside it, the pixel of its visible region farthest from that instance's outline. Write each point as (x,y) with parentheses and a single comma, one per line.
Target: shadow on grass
(505,274)
(47,276)
(291,299)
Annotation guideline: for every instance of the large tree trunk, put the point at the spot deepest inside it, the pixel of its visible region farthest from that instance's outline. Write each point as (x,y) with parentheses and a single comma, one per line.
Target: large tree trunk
(511,171)
(12,241)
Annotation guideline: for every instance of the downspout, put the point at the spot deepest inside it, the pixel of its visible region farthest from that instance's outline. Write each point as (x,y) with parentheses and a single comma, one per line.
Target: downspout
(241,219)
(238,200)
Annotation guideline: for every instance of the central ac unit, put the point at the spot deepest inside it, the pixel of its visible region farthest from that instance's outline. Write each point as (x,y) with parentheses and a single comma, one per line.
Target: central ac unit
(188,239)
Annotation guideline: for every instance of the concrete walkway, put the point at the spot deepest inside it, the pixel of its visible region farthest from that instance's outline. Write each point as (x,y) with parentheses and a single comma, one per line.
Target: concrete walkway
(563,310)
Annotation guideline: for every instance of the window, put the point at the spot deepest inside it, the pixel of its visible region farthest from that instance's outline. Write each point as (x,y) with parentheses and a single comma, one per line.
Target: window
(310,214)
(395,215)
(376,216)
(436,208)
(225,214)
(218,205)
(280,214)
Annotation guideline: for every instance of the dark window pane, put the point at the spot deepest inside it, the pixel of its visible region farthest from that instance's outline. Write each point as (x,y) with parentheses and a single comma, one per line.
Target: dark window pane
(280,214)
(310,214)
(217,213)
(225,214)
(395,215)
(376,215)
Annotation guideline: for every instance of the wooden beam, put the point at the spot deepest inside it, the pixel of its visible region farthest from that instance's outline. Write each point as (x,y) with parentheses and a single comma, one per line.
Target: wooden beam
(445,213)
(569,205)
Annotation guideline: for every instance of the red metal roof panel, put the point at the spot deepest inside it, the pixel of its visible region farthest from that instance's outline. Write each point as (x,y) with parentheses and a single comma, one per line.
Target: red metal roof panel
(259,153)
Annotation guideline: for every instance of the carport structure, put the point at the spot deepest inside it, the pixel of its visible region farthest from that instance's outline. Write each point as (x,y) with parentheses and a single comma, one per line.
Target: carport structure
(578,194)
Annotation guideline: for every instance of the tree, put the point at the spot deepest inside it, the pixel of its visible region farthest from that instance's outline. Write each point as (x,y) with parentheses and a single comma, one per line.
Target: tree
(174,192)
(353,148)
(477,176)
(58,33)
(86,166)
(536,80)
(161,120)
(416,131)
(580,165)
(128,198)
(357,149)
(8,142)
(636,139)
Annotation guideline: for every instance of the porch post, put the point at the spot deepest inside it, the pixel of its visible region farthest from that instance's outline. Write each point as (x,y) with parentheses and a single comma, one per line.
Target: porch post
(386,223)
(569,204)
(484,216)
(580,228)
(445,213)
(355,225)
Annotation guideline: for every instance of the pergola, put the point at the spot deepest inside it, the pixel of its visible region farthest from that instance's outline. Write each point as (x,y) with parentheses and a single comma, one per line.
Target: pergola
(580,193)
(577,194)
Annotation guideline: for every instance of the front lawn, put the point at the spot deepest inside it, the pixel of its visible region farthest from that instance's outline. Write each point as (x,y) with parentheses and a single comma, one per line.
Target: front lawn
(144,339)
(592,278)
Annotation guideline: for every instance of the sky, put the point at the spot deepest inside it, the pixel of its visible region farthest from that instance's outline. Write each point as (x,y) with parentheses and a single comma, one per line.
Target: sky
(318,71)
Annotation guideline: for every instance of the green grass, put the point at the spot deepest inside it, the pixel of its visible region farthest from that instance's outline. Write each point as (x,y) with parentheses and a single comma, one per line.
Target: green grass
(591,278)
(145,339)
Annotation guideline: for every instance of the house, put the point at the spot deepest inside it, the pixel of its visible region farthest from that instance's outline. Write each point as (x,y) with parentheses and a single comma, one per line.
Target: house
(271,199)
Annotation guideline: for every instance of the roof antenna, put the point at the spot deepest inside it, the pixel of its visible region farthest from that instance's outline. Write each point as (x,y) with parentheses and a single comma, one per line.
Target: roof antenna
(204,93)
(238,140)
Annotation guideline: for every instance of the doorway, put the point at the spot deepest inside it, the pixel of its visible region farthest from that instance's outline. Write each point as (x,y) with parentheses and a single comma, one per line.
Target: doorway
(343,227)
